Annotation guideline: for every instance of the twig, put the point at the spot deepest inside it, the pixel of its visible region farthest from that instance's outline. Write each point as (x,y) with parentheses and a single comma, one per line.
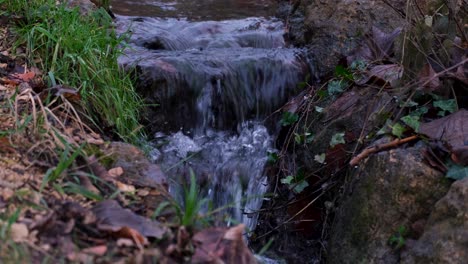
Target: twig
(365,153)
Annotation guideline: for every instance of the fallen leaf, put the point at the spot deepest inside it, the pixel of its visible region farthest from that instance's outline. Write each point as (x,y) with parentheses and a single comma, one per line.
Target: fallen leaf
(19,232)
(95,141)
(222,245)
(125,187)
(453,130)
(387,73)
(429,79)
(97,250)
(25,77)
(116,172)
(377,46)
(112,217)
(125,242)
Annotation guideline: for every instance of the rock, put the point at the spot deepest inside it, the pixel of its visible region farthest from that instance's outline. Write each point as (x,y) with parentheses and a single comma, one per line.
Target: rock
(335,28)
(85,6)
(445,239)
(390,191)
(137,169)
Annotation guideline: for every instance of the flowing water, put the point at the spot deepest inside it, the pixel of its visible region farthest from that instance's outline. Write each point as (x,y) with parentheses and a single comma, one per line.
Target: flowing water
(217,69)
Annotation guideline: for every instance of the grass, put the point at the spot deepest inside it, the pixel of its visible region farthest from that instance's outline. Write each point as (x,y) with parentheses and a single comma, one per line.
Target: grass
(192,203)
(81,51)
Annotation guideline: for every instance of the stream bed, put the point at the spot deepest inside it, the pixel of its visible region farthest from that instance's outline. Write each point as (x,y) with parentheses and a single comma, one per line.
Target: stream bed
(217,70)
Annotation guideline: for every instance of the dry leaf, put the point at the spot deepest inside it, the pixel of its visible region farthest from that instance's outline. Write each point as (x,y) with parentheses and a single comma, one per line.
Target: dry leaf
(19,232)
(452,129)
(125,242)
(378,46)
(116,172)
(387,74)
(111,216)
(222,245)
(95,141)
(97,250)
(429,79)
(125,187)
(25,77)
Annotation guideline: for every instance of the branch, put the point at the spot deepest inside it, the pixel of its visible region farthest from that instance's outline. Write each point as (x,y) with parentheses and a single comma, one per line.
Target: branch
(377,148)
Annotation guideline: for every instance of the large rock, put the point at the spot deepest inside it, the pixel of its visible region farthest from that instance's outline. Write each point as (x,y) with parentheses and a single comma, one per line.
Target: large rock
(445,239)
(335,28)
(390,190)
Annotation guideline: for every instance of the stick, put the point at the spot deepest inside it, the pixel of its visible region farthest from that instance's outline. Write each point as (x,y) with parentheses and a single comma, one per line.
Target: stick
(365,153)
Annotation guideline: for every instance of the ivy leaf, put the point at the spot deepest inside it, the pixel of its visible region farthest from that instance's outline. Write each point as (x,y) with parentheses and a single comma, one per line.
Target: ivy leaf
(398,130)
(301,186)
(335,87)
(272,157)
(308,137)
(457,172)
(336,139)
(449,105)
(322,94)
(289,118)
(320,158)
(420,111)
(344,73)
(358,65)
(288,180)
(412,121)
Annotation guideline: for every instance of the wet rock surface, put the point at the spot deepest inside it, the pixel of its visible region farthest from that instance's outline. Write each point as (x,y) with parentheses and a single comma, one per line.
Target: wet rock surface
(445,238)
(332,29)
(390,190)
(211,74)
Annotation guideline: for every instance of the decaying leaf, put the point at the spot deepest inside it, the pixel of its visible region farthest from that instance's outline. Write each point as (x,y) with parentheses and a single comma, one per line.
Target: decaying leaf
(25,77)
(125,187)
(97,250)
(113,218)
(429,79)
(19,232)
(452,129)
(116,172)
(222,245)
(377,46)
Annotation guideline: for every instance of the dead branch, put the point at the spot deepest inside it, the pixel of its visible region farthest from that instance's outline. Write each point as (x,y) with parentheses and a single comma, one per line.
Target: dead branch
(377,148)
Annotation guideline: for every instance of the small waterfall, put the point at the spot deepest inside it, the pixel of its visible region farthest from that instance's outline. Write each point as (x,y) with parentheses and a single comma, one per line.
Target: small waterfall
(215,83)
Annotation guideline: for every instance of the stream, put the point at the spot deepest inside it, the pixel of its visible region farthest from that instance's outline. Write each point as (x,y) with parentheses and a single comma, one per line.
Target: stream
(217,69)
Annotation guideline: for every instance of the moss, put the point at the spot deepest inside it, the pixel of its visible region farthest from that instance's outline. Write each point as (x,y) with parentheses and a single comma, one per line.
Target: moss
(93,150)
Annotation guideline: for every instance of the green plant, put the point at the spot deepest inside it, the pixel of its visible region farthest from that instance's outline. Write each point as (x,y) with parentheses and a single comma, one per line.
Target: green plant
(81,51)
(67,157)
(273,157)
(398,240)
(337,138)
(456,172)
(193,203)
(289,118)
(296,182)
(304,138)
